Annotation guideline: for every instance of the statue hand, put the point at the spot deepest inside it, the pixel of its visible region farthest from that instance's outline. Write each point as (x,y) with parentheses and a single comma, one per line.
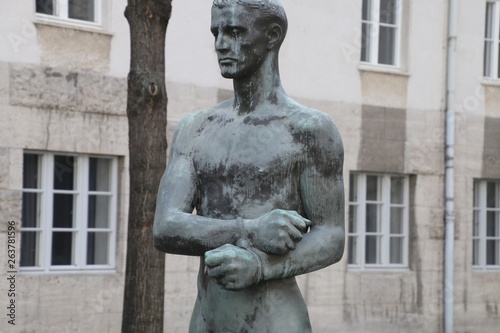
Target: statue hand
(234,268)
(278,231)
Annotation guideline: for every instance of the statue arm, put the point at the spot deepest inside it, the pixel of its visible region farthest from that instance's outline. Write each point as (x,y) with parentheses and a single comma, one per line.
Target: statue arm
(176,230)
(322,192)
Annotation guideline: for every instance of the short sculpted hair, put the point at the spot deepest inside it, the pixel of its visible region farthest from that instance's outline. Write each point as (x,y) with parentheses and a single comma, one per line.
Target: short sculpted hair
(270,10)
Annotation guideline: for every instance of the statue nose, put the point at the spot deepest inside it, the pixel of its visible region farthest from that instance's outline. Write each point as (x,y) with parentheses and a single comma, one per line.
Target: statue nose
(221,43)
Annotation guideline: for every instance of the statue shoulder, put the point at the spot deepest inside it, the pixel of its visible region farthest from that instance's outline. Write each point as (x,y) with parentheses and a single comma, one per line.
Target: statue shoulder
(315,124)
(186,130)
(193,124)
(196,120)
(320,135)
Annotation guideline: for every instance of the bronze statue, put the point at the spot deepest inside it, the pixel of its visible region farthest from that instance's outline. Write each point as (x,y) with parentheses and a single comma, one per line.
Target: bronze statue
(265,176)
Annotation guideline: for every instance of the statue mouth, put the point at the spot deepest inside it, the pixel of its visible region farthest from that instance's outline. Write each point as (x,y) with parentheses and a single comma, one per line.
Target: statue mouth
(226,61)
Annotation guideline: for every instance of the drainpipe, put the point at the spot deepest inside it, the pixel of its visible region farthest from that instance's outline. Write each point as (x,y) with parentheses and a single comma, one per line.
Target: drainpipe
(449,168)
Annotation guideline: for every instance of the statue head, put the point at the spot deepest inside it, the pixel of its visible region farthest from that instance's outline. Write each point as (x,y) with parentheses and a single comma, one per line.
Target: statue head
(247,32)
(269,11)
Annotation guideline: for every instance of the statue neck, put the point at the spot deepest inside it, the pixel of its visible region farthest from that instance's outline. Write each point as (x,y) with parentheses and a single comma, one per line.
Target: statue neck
(261,88)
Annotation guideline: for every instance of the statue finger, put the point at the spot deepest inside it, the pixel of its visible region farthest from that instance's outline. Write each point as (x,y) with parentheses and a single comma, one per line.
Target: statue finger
(233,286)
(290,244)
(299,222)
(215,258)
(216,272)
(294,234)
(300,217)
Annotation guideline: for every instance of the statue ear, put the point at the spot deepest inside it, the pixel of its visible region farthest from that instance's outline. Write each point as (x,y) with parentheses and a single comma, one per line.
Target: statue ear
(274,33)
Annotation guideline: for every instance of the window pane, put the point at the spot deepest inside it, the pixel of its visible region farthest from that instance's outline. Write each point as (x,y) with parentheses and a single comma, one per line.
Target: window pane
(352,250)
(45,7)
(476,230)
(98,211)
(475,252)
(492,252)
(387,45)
(488,58)
(476,194)
(367,5)
(97,248)
(373,218)
(29,248)
(31,171)
(81,10)
(62,248)
(397,193)
(366,42)
(396,251)
(31,210)
(489,20)
(372,188)
(63,211)
(372,253)
(353,219)
(397,220)
(491,195)
(498,63)
(353,188)
(492,224)
(64,172)
(388,11)
(99,174)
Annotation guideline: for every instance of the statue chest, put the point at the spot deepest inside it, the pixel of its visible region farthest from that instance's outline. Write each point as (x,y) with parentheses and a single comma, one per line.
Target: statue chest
(233,149)
(247,169)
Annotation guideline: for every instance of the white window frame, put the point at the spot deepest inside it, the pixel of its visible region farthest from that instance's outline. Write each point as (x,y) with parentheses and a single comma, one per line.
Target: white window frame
(60,17)
(480,211)
(374,22)
(80,228)
(492,71)
(384,233)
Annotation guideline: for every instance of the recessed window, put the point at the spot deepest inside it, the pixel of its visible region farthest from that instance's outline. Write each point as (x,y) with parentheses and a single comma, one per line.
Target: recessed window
(68,212)
(83,10)
(381,32)
(486,227)
(492,40)
(378,221)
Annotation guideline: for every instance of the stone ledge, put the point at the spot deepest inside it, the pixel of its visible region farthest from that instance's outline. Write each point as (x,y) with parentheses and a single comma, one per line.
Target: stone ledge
(61,89)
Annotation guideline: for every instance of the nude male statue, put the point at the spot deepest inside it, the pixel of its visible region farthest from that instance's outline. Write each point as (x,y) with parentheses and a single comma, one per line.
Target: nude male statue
(265,176)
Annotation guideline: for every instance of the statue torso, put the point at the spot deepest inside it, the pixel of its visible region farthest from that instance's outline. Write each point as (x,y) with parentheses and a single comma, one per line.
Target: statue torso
(247,166)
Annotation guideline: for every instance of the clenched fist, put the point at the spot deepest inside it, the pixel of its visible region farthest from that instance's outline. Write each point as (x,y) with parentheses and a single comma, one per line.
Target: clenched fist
(233,268)
(278,231)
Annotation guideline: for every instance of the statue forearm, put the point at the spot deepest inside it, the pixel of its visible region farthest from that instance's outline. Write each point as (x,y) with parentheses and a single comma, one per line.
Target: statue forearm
(321,247)
(187,234)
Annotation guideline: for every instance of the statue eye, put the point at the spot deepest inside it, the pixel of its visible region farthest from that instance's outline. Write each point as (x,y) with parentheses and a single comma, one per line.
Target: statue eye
(235,32)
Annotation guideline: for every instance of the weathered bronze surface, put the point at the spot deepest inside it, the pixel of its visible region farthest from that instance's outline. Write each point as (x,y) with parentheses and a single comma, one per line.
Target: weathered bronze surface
(265,176)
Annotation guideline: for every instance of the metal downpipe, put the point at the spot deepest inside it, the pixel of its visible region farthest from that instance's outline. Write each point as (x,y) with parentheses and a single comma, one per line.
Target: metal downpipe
(450,169)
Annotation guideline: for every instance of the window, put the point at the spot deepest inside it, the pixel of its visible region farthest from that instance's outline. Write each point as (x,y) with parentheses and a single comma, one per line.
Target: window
(378,221)
(492,40)
(68,212)
(381,31)
(486,229)
(83,10)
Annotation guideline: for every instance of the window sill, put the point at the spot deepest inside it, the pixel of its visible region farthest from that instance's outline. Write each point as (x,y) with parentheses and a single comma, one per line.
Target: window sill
(489,81)
(377,270)
(485,269)
(385,69)
(97,271)
(41,19)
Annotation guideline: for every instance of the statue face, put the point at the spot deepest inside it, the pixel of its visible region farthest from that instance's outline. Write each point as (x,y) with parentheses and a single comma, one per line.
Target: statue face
(240,41)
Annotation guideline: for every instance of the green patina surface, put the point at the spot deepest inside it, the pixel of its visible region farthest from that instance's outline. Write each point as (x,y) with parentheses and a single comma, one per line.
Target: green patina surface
(265,176)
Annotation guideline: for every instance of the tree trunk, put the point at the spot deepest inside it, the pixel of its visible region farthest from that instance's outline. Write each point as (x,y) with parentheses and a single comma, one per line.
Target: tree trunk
(147,121)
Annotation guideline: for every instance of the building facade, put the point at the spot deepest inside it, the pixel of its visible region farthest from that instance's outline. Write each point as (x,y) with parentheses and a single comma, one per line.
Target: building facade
(378,68)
